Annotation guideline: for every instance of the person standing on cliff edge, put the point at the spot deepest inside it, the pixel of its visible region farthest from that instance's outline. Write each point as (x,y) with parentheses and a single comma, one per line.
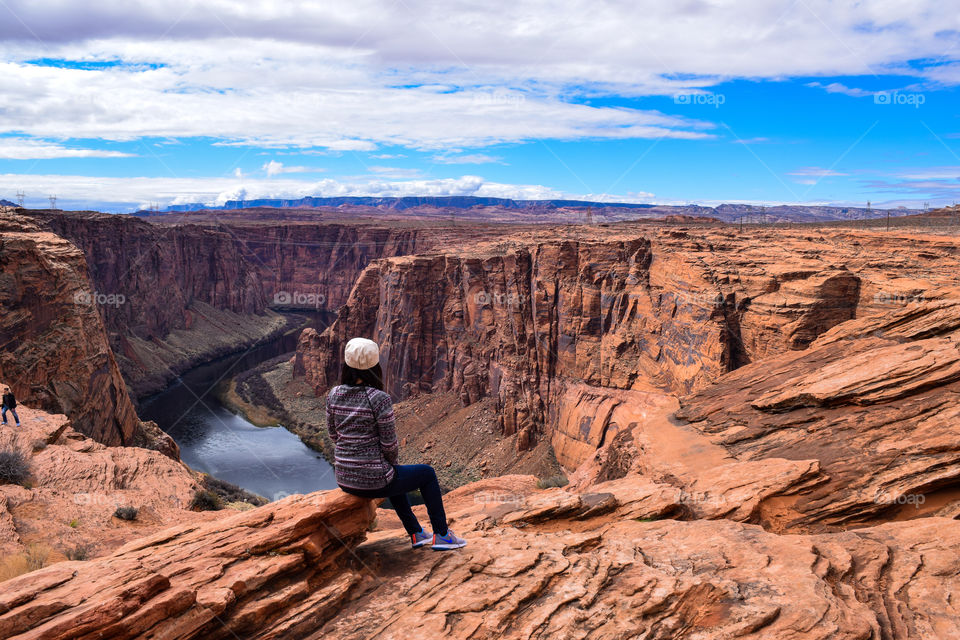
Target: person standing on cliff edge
(9,404)
(361,425)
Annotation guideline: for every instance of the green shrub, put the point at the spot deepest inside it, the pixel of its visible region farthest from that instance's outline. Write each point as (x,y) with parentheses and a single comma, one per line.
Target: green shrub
(204,500)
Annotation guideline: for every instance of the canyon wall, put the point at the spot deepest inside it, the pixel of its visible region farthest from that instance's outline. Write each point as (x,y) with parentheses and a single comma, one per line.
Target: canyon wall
(175,294)
(55,354)
(543,323)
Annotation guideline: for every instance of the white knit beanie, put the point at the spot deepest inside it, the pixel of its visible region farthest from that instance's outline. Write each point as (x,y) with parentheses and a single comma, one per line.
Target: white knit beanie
(361,353)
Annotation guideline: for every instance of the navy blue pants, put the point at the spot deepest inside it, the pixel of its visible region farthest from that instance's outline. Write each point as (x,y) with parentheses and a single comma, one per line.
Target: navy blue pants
(13,411)
(410,477)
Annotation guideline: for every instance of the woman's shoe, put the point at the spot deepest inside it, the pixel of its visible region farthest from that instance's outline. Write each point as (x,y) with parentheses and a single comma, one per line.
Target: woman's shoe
(449,541)
(420,539)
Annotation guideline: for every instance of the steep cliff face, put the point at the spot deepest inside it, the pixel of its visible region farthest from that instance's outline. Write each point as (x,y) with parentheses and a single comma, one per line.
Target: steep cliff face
(55,351)
(314,266)
(542,324)
(175,294)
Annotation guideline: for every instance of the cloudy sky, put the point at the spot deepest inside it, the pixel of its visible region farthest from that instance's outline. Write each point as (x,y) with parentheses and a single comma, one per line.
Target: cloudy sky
(118,105)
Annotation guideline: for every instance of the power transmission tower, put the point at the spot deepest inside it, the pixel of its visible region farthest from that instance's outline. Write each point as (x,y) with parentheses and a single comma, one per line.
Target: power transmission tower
(53,202)
(589,219)
(20,196)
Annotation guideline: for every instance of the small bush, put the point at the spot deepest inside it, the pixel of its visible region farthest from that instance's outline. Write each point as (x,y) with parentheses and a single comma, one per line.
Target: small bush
(74,523)
(14,468)
(39,444)
(204,500)
(126,513)
(552,481)
(229,492)
(79,552)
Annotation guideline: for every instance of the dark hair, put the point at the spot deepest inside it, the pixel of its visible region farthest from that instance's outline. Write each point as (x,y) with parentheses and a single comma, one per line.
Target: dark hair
(372,377)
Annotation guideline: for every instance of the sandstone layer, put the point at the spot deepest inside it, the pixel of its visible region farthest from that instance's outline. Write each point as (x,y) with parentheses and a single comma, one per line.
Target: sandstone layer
(279,571)
(56,355)
(562,326)
(539,564)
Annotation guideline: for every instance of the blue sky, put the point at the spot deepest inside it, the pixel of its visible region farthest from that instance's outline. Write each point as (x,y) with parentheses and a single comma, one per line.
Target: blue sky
(763,102)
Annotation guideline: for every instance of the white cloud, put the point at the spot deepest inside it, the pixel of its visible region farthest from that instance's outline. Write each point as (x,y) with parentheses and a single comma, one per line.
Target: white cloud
(836,87)
(356,74)
(395,172)
(470,158)
(816,172)
(124,194)
(32,149)
(274,168)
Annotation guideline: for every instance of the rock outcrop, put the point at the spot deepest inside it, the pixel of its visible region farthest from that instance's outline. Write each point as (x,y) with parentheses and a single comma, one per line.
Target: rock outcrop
(543,322)
(76,485)
(279,571)
(553,564)
(874,400)
(55,353)
(619,561)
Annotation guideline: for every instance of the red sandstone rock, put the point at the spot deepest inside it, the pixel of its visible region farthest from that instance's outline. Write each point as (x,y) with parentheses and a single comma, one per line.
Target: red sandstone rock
(870,400)
(76,485)
(56,355)
(279,571)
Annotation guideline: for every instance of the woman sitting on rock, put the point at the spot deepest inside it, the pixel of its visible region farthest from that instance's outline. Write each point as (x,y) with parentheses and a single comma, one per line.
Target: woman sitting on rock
(361,425)
(9,404)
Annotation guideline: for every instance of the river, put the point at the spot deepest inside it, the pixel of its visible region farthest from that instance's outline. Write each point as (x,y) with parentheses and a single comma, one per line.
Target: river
(269,461)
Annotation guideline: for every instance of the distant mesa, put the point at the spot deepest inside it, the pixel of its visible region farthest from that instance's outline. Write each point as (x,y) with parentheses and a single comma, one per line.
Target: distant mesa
(505,209)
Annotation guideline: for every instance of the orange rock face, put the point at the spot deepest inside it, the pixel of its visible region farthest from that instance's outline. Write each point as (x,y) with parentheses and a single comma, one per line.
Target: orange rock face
(56,355)
(543,321)
(870,399)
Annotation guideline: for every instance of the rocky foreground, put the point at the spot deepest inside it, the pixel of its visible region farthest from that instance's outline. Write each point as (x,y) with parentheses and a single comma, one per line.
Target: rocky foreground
(611,563)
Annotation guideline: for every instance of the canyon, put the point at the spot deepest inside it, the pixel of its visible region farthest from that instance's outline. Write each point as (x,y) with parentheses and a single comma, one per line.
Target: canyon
(756,427)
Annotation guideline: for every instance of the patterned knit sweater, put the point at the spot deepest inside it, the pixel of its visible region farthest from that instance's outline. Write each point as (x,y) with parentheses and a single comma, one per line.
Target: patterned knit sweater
(361,425)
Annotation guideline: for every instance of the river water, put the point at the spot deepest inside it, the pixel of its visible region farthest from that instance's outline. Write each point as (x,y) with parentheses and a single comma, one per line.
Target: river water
(269,461)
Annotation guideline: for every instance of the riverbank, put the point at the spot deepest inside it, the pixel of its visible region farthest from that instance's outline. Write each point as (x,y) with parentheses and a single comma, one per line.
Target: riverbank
(268,395)
(149,366)
(462,443)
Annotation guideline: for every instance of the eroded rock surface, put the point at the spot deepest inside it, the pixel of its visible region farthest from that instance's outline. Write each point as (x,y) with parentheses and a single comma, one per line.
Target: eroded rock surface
(76,485)
(279,571)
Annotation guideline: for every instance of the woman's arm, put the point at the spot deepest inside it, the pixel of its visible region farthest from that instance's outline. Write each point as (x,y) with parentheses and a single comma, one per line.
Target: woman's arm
(388,432)
(331,426)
